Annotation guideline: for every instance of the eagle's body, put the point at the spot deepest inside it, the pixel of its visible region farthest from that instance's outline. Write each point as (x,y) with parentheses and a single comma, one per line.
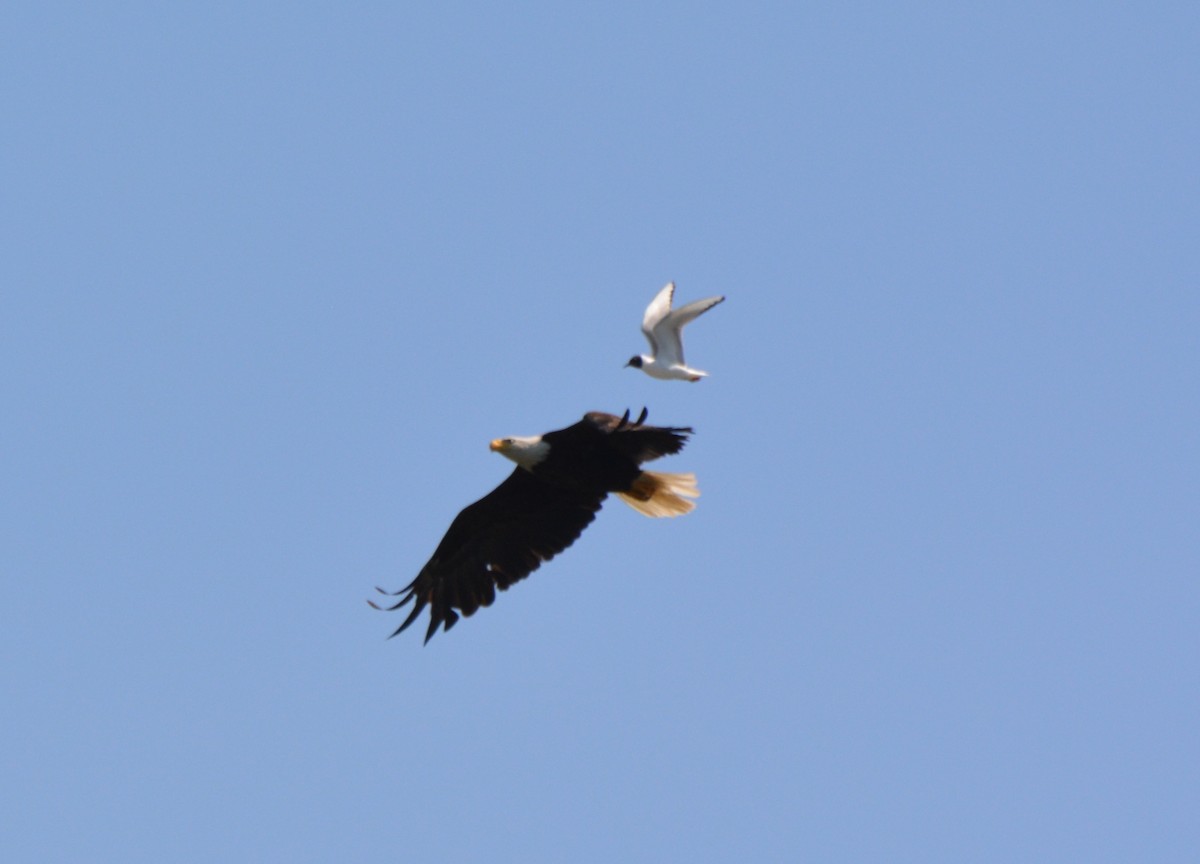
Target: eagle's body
(560,481)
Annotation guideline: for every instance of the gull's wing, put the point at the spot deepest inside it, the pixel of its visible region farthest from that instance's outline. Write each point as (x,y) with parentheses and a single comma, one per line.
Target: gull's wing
(656,312)
(669,332)
(685,314)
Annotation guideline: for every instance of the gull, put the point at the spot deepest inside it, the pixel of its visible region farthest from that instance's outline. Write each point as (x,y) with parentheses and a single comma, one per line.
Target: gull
(663,328)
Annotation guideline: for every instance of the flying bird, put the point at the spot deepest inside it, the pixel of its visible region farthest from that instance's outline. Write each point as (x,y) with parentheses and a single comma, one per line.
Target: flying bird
(560,481)
(663,328)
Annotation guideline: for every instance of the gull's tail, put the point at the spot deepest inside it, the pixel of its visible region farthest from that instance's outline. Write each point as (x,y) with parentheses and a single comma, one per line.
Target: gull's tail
(654,493)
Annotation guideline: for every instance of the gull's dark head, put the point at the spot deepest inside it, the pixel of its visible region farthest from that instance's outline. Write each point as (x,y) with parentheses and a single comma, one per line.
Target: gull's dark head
(635,362)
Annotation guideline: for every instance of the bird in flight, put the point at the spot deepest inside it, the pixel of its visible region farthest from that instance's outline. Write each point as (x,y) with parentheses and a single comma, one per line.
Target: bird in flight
(663,328)
(560,481)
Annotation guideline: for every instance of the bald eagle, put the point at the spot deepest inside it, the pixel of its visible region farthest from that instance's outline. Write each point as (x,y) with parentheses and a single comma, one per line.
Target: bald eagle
(560,481)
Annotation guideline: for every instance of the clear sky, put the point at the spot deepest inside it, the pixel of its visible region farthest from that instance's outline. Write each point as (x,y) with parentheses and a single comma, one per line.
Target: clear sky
(273,274)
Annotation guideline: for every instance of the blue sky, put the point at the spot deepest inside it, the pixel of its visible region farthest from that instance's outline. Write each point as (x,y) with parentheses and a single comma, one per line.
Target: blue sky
(274,274)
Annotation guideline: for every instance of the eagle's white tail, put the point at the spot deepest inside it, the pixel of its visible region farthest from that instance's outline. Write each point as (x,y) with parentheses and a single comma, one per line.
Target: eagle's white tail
(657,494)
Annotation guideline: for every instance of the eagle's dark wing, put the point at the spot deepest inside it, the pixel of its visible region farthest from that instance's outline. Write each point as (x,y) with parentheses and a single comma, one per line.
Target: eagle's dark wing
(498,540)
(637,442)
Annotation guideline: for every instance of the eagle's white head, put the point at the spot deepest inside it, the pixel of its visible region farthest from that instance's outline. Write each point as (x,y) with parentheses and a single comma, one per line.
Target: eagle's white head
(526,452)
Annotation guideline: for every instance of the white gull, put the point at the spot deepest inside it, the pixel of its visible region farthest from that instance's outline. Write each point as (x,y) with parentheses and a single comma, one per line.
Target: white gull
(663,327)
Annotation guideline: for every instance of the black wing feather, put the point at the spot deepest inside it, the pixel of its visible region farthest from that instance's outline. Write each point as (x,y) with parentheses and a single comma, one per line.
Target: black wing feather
(494,543)
(637,442)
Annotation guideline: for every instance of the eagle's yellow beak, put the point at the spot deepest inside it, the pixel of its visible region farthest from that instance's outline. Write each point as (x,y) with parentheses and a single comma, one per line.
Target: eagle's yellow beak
(496,445)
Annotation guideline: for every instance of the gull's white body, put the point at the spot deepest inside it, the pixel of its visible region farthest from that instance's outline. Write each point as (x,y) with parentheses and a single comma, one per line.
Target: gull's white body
(663,328)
